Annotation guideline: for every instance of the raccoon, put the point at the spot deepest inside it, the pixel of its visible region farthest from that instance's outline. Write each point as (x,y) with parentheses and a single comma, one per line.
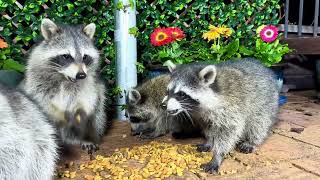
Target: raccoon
(28,142)
(148,118)
(62,77)
(235,104)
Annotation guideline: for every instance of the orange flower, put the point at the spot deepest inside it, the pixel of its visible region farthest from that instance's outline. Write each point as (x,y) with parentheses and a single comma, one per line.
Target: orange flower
(160,36)
(176,33)
(3,44)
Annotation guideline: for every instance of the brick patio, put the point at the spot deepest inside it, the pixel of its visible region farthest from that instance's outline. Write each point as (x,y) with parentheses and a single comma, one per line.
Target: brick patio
(285,155)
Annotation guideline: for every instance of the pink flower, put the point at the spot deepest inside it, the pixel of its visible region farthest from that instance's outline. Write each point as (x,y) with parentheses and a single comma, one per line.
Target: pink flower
(269,33)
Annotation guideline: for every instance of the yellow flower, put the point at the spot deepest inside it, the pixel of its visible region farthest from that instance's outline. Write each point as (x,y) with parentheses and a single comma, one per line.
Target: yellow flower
(216,32)
(213,33)
(223,30)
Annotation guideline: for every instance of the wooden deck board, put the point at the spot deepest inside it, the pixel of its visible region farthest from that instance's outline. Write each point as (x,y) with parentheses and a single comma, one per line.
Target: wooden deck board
(304,45)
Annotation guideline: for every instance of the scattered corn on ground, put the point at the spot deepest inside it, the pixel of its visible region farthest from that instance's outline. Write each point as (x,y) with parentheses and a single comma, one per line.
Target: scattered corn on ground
(152,161)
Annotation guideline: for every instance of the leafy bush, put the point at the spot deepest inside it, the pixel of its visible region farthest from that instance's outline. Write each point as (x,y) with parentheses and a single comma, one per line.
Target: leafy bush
(21,28)
(21,25)
(195,16)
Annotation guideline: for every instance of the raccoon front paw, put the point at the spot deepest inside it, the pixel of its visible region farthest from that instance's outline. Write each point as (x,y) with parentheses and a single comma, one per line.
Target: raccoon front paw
(147,136)
(203,147)
(245,147)
(134,133)
(210,167)
(90,147)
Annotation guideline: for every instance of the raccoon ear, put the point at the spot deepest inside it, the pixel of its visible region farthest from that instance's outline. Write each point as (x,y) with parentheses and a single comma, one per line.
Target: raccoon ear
(48,28)
(208,75)
(171,66)
(134,96)
(89,30)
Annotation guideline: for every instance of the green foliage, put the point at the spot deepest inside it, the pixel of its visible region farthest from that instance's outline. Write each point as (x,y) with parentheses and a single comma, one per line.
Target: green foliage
(134,31)
(23,30)
(270,53)
(7,63)
(179,52)
(194,18)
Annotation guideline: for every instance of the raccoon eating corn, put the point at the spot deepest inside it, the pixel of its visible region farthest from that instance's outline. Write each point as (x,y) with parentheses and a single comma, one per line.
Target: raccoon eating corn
(235,103)
(149,118)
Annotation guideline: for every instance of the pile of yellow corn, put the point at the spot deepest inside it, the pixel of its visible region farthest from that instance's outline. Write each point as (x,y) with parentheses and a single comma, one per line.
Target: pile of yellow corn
(154,160)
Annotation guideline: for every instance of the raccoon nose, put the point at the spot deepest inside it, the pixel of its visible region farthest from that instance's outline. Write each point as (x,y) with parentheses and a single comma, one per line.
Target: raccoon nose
(81,75)
(173,111)
(163,105)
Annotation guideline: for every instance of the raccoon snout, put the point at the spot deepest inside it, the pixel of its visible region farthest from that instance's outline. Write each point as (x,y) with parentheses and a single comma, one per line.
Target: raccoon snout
(81,75)
(164,106)
(173,112)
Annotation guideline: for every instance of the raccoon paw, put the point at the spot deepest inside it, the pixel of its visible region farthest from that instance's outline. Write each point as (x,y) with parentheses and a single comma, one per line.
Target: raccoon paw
(147,136)
(203,147)
(90,147)
(245,147)
(210,167)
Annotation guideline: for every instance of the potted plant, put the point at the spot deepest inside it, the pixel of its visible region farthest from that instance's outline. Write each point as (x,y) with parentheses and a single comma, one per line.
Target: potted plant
(171,44)
(10,70)
(267,48)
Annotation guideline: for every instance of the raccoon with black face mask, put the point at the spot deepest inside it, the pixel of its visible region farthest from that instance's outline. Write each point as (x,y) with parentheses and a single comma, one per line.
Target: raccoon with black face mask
(235,104)
(147,116)
(62,77)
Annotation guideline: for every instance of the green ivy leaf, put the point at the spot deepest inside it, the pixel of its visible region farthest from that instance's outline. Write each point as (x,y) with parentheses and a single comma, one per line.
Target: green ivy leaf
(134,31)
(245,51)
(10,64)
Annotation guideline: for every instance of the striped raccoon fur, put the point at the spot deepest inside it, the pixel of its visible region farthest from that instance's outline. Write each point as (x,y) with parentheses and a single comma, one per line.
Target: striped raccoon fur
(148,118)
(235,103)
(62,77)
(28,147)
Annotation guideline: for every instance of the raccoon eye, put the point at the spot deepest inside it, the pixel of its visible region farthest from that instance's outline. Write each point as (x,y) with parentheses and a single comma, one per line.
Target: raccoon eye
(87,60)
(181,94)
(67,56)
(135,119)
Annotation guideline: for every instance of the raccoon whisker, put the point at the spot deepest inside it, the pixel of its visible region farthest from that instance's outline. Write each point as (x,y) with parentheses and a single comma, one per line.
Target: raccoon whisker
(186,108)
(55,64)
(184,100)
(190,118)
(188,105)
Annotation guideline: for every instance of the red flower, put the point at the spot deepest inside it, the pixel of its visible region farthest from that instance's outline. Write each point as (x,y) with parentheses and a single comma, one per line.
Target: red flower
(160,36)
(176,33)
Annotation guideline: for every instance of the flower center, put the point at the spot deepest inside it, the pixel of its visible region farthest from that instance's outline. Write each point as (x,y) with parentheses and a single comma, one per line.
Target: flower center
(161,36)
(269,33)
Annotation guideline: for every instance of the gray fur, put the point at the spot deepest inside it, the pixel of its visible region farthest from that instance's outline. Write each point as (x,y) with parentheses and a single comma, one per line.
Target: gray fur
(234,103)
(145,104)
(28,148)
(51,79)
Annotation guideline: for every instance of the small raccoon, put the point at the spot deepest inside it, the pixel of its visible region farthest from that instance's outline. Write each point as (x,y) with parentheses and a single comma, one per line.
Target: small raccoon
(235,103)
(147,116)
(62,77)
(28,142)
